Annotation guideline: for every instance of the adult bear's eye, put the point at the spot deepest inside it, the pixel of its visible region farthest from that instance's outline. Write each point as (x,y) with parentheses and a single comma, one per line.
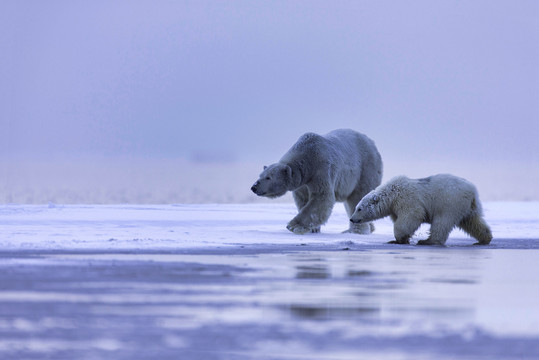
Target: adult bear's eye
(267,178)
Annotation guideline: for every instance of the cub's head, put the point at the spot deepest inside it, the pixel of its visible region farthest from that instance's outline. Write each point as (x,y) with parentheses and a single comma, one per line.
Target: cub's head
(377,204)
(367,209)
(274,181)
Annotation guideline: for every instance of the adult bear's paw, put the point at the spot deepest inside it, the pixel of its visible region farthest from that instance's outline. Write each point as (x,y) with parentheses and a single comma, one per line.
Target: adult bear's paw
(297,228)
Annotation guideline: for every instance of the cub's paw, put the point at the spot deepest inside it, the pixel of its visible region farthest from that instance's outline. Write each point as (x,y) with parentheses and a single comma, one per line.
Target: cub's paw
(428,242)
(401,242)
(481,243)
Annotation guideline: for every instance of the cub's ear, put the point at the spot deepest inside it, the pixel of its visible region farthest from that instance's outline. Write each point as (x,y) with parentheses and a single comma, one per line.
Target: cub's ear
(265,167)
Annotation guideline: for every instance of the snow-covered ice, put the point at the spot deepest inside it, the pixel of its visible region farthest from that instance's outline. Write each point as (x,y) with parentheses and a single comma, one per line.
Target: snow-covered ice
(230,282)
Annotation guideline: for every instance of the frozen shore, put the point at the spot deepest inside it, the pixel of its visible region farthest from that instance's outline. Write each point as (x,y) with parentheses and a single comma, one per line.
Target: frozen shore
(230,282)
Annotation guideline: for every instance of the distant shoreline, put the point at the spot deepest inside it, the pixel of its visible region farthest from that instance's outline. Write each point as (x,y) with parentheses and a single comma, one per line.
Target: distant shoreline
(174,181)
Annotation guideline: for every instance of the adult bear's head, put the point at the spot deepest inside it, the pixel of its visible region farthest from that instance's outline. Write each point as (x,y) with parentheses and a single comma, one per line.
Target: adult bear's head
(274,181)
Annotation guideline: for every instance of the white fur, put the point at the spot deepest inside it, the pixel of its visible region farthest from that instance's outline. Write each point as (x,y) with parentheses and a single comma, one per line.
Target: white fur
(343,165)
(444,201)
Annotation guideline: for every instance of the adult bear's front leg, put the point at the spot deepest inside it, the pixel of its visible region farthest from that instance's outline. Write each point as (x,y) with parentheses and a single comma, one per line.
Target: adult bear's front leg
(297,227)
(315,213)
(304,222)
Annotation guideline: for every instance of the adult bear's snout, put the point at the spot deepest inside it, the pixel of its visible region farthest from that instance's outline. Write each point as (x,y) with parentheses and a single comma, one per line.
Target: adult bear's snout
(254,188)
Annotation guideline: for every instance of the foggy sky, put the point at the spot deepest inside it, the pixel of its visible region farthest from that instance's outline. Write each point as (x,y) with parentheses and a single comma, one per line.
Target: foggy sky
(244,79)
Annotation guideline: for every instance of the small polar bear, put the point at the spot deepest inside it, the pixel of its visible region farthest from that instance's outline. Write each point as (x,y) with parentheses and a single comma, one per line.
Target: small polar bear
(343,165)
(443,200)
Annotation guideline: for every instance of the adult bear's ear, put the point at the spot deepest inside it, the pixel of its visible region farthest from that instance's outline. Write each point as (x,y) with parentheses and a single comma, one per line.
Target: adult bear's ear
(265,167)
(287,171)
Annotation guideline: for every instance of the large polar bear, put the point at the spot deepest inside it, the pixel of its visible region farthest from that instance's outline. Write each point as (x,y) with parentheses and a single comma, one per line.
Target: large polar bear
(444,201)
(343,165)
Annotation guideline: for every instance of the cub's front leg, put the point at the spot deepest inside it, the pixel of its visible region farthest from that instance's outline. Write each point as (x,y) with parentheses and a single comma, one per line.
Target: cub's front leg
(404,228)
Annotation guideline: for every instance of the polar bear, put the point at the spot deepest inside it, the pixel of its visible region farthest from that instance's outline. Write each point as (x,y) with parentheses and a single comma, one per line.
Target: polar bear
(443,200)
(343,165)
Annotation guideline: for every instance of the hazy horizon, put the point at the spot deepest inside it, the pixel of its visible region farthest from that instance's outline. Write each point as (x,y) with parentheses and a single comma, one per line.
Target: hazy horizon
(440,86)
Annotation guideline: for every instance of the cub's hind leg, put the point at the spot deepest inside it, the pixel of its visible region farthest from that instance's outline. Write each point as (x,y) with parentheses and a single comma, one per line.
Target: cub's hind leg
(476,227)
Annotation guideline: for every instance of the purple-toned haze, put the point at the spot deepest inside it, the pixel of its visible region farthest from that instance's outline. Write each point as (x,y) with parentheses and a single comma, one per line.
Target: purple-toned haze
(444,86)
